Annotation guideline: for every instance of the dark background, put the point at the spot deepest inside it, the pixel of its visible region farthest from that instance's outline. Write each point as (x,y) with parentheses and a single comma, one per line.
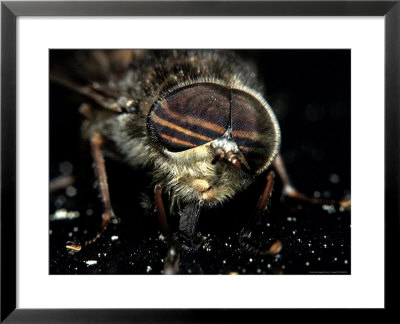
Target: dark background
(310,92)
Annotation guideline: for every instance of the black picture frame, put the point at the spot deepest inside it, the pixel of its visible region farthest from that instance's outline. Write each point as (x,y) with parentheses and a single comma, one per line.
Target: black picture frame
(10,10)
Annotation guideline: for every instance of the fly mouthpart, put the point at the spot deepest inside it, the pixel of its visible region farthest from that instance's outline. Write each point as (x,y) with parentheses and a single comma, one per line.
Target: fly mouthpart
(225,148)
(234,159)
(220,154)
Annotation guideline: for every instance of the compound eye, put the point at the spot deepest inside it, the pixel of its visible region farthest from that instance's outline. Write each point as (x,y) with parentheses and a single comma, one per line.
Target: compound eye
(254,129)
(190,116)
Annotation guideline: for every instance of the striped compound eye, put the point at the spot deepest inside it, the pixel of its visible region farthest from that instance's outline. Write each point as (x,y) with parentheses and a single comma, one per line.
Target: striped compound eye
(192,116)
(200,113)
(254,129)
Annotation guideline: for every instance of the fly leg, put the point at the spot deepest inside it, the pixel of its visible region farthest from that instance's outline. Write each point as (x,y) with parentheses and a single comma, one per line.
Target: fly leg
(289,191)
(97,141)
(261,206)
(162,217)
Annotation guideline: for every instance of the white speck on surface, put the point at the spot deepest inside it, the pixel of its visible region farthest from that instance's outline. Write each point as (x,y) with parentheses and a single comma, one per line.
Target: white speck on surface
(91,262)
(114,238)
(329,208)
(62,214)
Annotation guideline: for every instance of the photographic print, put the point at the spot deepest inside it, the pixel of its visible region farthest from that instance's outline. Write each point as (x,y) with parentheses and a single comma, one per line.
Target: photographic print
(206,161)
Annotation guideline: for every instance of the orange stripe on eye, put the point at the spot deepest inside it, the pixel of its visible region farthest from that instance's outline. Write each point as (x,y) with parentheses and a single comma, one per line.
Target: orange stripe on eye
(250,135)
(196,121)
(176,140)
(163,122)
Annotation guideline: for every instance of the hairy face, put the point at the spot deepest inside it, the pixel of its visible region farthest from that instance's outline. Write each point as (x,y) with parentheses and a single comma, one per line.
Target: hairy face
(192,176)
